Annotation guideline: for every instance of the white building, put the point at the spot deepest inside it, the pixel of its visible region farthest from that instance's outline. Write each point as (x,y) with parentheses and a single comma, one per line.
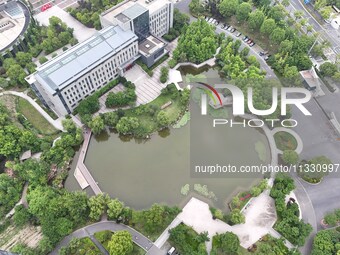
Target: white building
(14,21)
(67,79)
(159,13)
(131,30)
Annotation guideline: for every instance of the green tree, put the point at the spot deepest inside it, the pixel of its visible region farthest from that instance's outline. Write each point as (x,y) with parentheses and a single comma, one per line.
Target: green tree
(197,44)
(319,4)
(326,12)
(164,74)
(111,119)
(127,125)
(23,58)
(228,7)
(290,157)
(323,243)
(236,217)
(278,35)
(163,119)
(69,126)
(256,19)
(120,243)
(229,242)
(268,26)
(115,208)
(328,69)
(255,191)
(16,74)
(97,125)
(97,205)
(243,11)
(298,14)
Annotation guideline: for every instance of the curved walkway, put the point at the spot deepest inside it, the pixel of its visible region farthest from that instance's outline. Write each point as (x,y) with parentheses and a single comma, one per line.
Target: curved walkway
(298,139)
(55,123)
(88,231)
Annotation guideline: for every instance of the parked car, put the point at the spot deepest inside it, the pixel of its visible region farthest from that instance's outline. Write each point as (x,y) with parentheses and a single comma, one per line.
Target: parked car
(45,7)
(232,30)
(207,18)
(267,57)
(210,20)
(252,44)
(217,22)
(262,53)
(245,38)
(238,34)
(226,27)
(249,41)
(171,251)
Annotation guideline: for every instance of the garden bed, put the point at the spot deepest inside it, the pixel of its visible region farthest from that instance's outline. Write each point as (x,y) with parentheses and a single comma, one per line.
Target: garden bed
(285,141)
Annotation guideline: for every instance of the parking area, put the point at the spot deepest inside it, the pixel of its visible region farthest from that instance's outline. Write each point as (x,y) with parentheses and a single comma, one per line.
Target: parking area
(44,5)
(80,32)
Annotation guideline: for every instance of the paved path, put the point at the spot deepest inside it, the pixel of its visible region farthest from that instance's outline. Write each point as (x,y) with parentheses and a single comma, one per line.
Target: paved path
(55,123)
(260,217)
(81,167)
(89,231)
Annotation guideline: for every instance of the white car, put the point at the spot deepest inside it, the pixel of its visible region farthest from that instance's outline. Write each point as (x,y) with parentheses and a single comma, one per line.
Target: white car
(210,20)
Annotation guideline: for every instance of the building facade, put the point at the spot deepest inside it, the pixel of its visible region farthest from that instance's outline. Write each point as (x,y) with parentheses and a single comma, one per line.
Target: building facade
(69,78)
(130,31)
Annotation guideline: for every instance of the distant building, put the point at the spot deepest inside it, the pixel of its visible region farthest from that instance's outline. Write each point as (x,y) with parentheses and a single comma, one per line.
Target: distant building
(131,30)
(311,79)
(14,21)
(141,16)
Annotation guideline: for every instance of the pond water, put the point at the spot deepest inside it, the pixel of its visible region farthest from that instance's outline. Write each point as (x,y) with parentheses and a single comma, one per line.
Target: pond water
(143,172)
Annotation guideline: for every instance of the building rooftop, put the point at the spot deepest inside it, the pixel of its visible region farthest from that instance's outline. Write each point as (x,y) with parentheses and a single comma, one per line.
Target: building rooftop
(150,45)
(14,20)
(125,6)
(80,59)
(311,77)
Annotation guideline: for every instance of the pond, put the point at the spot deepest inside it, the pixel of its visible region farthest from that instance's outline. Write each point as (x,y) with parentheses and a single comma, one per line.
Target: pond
(143,172)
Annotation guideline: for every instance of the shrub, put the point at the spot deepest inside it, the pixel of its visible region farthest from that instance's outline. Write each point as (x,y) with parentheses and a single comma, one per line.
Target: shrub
(43,60)
(164,74)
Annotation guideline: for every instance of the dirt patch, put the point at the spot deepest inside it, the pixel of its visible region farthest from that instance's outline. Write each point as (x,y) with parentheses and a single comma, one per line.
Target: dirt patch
(29,235)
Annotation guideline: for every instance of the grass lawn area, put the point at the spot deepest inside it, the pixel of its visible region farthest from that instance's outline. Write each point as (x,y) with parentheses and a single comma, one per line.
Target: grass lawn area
(9,102)
(34,117)
(285,141)
(104,236)
(87,247)
(148,122)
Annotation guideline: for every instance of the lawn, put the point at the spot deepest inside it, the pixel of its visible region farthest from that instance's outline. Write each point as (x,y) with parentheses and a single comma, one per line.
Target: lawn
(87,247)
(148,122)
(104,236)
(285,141)
(34,117)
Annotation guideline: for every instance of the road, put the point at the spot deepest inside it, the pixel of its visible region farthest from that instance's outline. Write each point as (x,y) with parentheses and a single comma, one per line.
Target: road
(89,231)
(326,31)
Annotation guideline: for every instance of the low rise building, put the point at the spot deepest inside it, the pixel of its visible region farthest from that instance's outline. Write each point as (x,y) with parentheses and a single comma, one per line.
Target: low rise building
(131,30)
(69,78)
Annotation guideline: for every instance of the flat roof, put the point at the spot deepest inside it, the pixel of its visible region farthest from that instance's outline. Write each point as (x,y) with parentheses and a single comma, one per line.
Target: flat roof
(150,45)
(152,6)
(14,20)
(69,66)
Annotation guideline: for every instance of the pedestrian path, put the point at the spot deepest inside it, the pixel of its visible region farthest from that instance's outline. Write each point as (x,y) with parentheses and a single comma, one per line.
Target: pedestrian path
(55,123)
(89,231)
